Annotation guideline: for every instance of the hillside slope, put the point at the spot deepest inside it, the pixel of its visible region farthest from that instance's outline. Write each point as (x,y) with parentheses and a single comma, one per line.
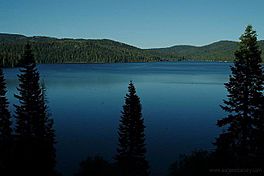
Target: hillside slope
(218,51)
(53,50)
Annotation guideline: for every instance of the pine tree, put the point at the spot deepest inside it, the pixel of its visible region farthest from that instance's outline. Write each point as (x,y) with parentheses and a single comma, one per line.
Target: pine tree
(49,137)
(5,128)
(35,153)
(131,149)
(238,143)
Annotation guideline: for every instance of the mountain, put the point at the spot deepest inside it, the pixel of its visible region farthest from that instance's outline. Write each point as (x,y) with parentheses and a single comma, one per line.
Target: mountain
(66,50)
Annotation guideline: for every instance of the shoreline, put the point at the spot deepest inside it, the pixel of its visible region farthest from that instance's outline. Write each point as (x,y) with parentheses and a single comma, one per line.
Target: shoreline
(102,63)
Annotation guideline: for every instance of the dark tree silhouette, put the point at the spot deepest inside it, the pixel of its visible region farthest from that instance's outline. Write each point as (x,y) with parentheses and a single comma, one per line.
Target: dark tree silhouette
(35,138)
(197,163)
(243,139)
(96,166)
(49,136)
(5,128)
(131,149)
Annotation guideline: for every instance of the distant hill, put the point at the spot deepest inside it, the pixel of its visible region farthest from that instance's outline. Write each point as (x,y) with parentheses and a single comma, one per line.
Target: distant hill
(218,51)
(53,50)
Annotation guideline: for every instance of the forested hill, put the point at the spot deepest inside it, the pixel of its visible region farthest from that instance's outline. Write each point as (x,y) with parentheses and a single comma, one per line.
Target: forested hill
(218,51)
(53,50)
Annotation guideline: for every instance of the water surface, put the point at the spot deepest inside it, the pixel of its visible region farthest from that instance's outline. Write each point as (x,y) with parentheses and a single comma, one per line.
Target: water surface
(180,105)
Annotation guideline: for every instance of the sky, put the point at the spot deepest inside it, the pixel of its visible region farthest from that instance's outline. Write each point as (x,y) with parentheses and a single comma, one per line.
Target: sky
(142,23)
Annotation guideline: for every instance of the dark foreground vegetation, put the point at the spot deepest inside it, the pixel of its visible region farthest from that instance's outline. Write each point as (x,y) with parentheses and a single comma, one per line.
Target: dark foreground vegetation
(52,50)
(27,145)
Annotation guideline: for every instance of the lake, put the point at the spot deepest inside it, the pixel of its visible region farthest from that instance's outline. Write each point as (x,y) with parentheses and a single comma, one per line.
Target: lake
(180,102)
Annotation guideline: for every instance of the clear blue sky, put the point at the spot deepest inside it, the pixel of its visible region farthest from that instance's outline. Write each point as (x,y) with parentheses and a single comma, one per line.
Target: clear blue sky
(143,23)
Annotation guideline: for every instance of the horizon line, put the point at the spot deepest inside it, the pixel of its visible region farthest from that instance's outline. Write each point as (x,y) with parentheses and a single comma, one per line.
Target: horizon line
(72,38)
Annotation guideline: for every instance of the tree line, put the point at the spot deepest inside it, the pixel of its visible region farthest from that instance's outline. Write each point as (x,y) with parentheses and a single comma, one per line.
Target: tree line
(50,50)
(27,147)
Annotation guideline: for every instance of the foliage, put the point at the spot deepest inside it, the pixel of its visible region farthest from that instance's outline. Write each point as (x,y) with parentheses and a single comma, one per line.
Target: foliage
(5,129)
(131,149)
(96,166)
(242,142)
(34,150)
(218,51)
(52,50)
(197,163)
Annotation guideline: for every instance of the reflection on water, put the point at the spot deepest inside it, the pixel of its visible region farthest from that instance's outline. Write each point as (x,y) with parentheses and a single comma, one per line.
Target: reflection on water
(180,106)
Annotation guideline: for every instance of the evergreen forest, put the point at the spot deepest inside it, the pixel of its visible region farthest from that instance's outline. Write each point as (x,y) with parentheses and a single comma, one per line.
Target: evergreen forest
(50,50)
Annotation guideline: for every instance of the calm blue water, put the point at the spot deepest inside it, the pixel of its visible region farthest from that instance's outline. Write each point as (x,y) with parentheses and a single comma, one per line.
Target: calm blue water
(180,106)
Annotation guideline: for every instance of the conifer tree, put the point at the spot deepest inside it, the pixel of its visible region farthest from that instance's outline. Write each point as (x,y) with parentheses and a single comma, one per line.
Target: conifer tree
(5,128)
(35,153)
(131,150)
(49,137)
(243,137)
